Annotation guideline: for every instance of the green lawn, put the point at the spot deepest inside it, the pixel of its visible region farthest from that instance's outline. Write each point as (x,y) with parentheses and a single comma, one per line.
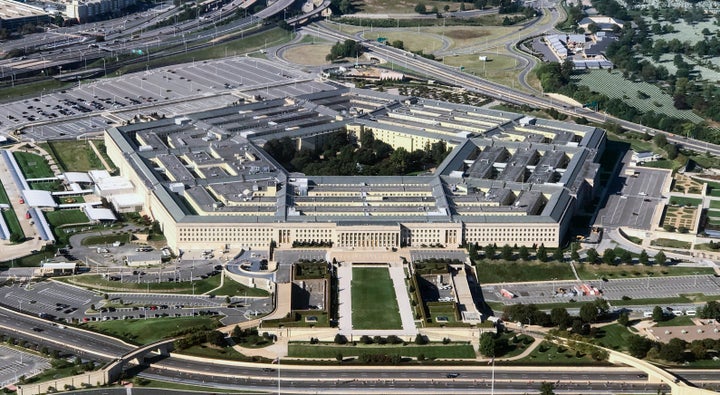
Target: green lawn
(670,243)
(676,321)
(228,353)
(650,302)
(106,239)
(12,222)
(715,204)
(431,351)
(374,303)
(590,272)
(185,287)
(168,385)
(33,88)
(32,165)
(74,155)
(150,330)
(614,336)
(550,354)
(233,288)
(685,201)
(310,270)
(3,195)
(64,217)
(498,271)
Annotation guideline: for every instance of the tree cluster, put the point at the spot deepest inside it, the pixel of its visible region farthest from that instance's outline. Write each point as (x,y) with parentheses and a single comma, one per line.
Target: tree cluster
(339,155)
(348,48)
(213,337)
(530,314)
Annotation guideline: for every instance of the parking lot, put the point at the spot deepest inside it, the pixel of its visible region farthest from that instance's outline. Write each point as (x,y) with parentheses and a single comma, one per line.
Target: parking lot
(168,91)
(633,200)
(15,363)
(612,289)
(421,255)
(62,302)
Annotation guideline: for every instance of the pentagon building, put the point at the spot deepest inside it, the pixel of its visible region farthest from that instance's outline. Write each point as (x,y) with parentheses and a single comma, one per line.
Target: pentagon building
(508,179)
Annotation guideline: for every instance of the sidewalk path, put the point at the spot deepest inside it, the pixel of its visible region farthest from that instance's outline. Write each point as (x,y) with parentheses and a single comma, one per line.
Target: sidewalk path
(344,274)
(397,274)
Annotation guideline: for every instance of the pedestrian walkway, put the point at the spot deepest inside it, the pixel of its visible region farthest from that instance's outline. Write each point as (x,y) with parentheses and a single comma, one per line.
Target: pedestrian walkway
(397,274)
(344,274)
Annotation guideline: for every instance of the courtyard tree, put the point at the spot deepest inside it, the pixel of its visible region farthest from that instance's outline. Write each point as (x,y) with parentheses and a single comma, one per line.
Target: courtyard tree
(660,258)
(609,256)
(588,312)
(560,317)
(487,344)
(523,253)
(624,318)
(657,314)
(542,253)
(507,253)
(644,258)
(592,256)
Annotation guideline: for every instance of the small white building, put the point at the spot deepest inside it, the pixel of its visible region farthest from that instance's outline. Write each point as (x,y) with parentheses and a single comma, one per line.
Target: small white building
(127,203)
(645,156)
(113,186)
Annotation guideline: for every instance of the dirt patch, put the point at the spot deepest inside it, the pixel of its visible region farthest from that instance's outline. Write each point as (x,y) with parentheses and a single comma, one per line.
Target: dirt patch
(466,34)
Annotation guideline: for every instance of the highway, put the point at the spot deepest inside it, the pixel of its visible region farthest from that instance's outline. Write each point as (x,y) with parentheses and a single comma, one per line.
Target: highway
(453,76)
(61,337)
(353,379)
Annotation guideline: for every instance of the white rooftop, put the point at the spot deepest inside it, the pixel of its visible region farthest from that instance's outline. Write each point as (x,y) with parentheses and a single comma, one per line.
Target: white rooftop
(97,175)
(127,199)
(72,177)
(59,265)
(113,183)
(38,198)
(99,214)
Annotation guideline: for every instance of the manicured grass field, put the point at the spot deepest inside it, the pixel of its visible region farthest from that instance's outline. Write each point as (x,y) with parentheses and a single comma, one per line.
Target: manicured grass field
(676,321)
(3,195)
(500,271)
(405,6)
(715,204)
(412,40)
(310,54)
(614,336)
(184,287)
(63,217)
(106,239)
(33,166)
(670,243)
(227,353)
(74,155)
(12,222)
(549,354)
(590,272)
(233,288)
(150,330)
(304,350)
(374,304)
(499,68)
(684,298)
(684,201)
(168,385)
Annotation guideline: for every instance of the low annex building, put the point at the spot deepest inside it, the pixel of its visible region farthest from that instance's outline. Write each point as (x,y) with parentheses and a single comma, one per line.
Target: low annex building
(508,179)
